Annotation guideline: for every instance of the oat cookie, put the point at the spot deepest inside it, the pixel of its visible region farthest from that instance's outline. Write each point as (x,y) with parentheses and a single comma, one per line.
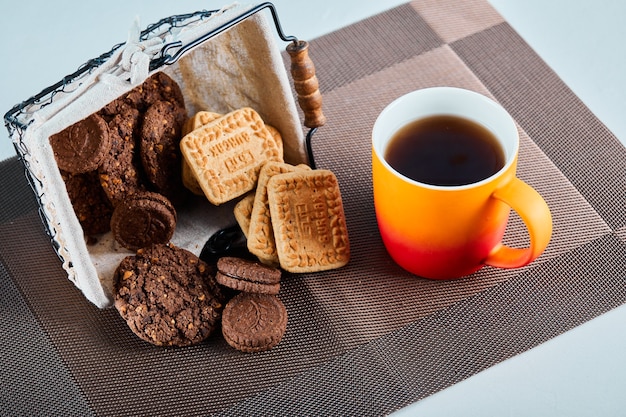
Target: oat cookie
(254,322)
(143,219)
(168,296)
(226,155)
(308,221)
(260,232)
(81,147)
(244,275)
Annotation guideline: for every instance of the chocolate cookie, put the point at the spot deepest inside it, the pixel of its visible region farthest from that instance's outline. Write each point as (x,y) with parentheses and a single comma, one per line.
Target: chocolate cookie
(160,148)
(254,322)
(82,146)
(157,87)
(143,219)
(120,171)
(243,275)
(160,87)
(168,296)
(91,205)
(120,105)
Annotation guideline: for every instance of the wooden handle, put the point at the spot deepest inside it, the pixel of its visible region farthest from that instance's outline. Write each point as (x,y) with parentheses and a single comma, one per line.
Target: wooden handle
(306,84)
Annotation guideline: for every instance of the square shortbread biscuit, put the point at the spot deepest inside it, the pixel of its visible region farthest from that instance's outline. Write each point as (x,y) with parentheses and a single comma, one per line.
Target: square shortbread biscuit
(308,221)
(227,154)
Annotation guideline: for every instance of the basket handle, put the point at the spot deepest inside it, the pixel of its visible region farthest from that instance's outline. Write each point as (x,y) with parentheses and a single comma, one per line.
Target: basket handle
(306,84)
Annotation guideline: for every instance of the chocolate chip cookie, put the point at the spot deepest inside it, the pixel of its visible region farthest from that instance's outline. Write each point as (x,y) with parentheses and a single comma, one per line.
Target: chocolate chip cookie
(168,296)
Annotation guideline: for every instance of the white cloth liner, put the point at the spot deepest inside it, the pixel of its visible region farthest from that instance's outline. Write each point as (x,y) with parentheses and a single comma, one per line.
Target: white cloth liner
(240,67)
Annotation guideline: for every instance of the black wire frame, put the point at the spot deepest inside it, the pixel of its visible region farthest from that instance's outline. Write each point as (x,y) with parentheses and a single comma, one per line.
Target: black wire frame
(170,53)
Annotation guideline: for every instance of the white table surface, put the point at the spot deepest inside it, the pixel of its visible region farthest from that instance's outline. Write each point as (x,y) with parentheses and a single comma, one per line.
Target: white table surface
(580,373)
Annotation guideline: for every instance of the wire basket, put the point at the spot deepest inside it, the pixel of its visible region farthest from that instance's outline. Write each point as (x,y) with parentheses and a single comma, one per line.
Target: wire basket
(199,28)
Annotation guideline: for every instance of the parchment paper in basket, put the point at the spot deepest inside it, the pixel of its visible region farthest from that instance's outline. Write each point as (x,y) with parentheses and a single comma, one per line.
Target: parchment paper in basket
(240,67)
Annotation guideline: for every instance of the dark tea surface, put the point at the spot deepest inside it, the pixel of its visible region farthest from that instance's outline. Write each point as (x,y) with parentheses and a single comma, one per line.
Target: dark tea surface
(445,150)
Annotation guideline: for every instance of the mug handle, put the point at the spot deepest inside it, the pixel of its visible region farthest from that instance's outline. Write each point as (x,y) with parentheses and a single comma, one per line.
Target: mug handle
(534,211)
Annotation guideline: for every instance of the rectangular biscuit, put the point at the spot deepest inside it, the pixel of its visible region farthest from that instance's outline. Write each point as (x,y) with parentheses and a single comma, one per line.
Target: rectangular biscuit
(227,154)
(243,212)
(260,233)
(198,120)
(308,221)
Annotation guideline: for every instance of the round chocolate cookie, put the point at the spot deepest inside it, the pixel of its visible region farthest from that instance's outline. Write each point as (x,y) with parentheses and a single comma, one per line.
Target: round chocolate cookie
(160,148)
(91,205)
(168,296)
(143,219)
(254,322)
(120,105)
(160,87)
(120,171)
(82,146)
(243,275)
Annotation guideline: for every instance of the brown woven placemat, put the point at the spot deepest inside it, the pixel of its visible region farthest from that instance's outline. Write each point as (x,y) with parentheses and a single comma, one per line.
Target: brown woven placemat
(369,338)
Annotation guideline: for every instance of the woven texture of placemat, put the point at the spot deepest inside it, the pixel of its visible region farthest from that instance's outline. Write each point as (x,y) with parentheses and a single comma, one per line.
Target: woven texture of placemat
(369,338)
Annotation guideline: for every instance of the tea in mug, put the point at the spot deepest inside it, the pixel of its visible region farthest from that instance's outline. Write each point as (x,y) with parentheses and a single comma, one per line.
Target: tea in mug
(445,150)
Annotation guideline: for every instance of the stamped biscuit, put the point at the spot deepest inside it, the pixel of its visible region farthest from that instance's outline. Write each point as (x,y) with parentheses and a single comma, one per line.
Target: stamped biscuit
(278,138)
(308,221)
(143,219)
(243,212)
(189,180)
(226,155)
(254,322)
(81,147)
(198,120)
(203,118)
(260,233)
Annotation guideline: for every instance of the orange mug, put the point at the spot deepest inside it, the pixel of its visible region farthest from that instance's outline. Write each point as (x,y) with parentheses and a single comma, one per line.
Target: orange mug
(451,231)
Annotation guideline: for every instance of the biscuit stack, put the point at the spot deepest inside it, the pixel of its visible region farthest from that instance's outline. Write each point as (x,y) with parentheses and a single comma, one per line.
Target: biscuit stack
(121,165)
(255,319)
(127,168)
(292,216)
